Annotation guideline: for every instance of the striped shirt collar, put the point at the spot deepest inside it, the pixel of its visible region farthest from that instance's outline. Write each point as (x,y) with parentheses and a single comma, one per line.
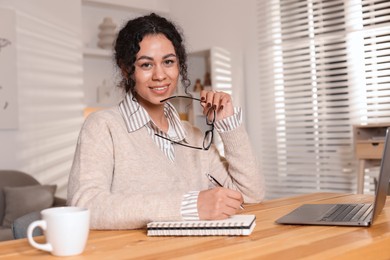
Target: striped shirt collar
(136,117)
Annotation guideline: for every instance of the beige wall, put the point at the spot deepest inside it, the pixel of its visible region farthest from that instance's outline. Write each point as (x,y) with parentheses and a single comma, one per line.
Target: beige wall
(50,97)
(230,24)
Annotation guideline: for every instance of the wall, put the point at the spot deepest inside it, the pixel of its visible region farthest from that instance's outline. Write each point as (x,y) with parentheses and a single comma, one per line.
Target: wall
(251,75)
(50,97)
(230,24)
(214,23)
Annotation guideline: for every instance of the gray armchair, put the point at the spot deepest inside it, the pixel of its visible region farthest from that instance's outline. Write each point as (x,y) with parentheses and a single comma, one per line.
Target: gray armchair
(21,194)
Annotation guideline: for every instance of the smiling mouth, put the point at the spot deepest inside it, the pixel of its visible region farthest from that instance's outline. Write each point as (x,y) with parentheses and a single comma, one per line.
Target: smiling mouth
(159,88)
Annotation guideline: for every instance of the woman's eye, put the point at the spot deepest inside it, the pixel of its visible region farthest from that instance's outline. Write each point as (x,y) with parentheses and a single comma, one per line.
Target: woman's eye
(146,65)
(169,62)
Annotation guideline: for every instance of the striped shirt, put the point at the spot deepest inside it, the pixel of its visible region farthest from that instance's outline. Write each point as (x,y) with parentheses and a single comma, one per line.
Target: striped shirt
(136,117)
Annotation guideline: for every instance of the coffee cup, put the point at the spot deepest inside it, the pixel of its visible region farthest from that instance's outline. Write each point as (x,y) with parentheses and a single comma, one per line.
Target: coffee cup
(66,230)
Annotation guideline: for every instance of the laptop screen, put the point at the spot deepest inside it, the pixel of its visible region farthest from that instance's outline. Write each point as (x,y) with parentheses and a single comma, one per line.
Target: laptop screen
(384,177)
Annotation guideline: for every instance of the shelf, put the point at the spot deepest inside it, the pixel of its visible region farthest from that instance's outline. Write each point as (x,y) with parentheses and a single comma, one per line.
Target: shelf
(369,142)
(97,53)
(369,150)
(143,6)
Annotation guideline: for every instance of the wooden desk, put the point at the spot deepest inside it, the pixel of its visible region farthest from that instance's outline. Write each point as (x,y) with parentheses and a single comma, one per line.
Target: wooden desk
(268,240)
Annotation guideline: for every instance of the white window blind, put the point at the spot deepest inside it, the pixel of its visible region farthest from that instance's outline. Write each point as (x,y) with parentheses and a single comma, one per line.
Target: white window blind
(221,66)
(324,66)
(221,78)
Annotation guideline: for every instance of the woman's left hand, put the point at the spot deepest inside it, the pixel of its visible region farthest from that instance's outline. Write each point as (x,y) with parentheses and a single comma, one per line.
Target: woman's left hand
(220,101)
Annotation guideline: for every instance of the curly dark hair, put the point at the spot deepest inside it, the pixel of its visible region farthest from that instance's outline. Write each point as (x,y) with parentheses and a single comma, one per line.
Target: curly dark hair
(127,46)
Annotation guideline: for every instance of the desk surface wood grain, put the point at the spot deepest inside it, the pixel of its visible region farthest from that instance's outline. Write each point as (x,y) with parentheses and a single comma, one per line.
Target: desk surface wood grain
(268,241)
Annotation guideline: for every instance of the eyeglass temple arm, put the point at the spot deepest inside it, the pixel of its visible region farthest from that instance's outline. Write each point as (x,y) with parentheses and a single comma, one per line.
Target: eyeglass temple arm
(190,146)
(161,101)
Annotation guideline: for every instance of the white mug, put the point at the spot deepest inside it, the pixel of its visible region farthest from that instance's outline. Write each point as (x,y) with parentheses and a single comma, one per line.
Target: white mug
(66,230)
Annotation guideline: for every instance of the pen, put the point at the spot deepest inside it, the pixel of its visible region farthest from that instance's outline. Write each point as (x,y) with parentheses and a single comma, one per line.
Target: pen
(216,183)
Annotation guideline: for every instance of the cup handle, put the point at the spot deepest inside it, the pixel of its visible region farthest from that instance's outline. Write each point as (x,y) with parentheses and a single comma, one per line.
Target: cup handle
(30,229)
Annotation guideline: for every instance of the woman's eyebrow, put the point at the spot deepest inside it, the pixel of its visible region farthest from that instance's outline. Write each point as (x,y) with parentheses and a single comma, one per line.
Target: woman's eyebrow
(169,56)
(150,58)
(145,57)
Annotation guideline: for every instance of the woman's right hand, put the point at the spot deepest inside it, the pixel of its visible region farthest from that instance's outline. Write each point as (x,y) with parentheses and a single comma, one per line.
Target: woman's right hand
(220,101)
(218,203)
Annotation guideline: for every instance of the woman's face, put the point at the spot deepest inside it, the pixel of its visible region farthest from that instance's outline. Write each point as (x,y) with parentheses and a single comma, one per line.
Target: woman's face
(156,70)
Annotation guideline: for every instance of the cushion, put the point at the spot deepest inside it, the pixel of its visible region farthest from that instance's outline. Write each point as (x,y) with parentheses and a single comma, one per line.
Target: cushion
(20,225)
(11,178)
(22,200)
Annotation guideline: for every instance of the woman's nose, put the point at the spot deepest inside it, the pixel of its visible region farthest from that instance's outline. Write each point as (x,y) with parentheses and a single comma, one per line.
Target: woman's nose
(159,73)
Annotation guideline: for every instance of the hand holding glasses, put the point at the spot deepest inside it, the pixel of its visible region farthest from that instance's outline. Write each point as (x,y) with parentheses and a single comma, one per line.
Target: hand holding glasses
(210,120)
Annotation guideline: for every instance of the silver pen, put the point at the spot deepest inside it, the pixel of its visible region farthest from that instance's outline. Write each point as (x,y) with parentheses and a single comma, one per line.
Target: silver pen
(216,183)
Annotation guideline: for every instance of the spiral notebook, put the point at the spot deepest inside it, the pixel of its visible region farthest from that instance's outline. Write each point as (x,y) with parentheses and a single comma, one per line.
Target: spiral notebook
(237,225)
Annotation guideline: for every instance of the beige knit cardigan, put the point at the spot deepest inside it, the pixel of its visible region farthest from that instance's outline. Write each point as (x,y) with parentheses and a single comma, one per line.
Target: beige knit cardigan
(127,181)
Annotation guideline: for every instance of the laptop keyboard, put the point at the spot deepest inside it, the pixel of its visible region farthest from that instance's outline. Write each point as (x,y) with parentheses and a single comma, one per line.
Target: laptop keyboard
(347,213)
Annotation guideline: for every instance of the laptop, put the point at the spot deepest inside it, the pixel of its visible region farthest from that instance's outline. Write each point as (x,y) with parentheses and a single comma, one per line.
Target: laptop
(345,214)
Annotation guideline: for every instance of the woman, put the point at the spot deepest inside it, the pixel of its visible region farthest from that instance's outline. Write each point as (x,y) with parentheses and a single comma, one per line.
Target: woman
(137,162)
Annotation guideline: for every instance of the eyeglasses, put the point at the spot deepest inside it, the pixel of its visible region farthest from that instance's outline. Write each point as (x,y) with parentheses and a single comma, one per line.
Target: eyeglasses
(208,135)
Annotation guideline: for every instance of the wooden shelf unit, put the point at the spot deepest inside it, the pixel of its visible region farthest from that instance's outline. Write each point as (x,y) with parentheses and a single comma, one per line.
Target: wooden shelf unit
(369,143)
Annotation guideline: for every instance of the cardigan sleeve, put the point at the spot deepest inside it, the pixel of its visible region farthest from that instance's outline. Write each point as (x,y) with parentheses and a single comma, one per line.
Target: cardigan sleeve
(239,168)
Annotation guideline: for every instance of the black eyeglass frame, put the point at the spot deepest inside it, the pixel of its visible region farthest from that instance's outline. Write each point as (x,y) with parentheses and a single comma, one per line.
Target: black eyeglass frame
(206,145)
